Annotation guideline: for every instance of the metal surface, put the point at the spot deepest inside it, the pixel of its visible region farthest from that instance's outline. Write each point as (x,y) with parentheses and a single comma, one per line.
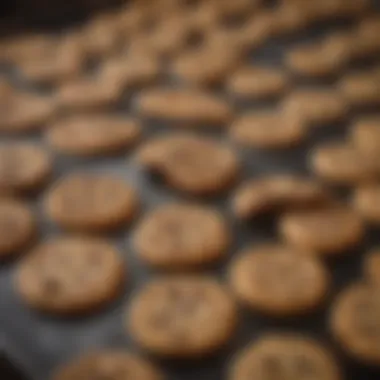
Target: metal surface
(40,342)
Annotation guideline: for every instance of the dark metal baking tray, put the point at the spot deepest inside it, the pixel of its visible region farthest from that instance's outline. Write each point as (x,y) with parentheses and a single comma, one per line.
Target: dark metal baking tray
(39,343)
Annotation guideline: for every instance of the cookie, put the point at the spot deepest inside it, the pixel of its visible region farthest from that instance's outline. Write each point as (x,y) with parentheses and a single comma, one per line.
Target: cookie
(182,316)
(17,227)
(89,135)
(182,236)
(366,201)
(284,356)
(111,364)
(258,82)
(342,164)
(192,164)
(355,322)
(70,275)
(325,231)
(91,202)
(88,93)
(24,112)
(360,89)
(267,130)
(365,136)
(276,193)
(279,281)
(183,106)
(316,106)
(24,167)
(371,266)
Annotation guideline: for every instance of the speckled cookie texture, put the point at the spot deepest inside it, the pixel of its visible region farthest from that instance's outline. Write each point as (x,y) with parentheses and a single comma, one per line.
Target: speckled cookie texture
(182,316)
(182,236)
(70,275)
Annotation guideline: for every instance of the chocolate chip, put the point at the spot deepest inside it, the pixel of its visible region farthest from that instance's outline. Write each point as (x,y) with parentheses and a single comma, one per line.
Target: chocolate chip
(52,286)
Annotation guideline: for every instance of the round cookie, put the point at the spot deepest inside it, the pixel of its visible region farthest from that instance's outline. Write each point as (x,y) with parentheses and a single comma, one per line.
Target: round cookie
(182,236)
(277,280)
(24,167)
(190,163)
(315,107)
(325,231)
(365,136)
(17,227)
(284,356)
(70,275)
(258,82)
(111,365)
(185,106)
(87,135)
(355,322)
(342,164)
(275,193)
(268,130)
(91,202)
(182,316)
(366,201)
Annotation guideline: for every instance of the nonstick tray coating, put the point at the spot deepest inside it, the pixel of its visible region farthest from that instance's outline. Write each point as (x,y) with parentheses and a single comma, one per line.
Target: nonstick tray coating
(39,343)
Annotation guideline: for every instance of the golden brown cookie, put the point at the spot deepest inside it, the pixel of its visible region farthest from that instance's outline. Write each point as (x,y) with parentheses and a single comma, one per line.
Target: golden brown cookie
(284,356)
(91,202)
(314,107)
(24,167)
(365,136)
(371,266)
(268,130)
(17,227)
(342,164)
(182,236)
(88,135)
(182,316)
(190,163)
(355,322)
(276,193)
(71,275)
(111,364)
(366,201)
(184,106)
(258,82)
(326,231)
(277,280)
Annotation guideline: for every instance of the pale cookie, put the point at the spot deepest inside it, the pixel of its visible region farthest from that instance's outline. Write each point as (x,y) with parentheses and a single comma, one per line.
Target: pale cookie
(258,82)
(342,164)
(276,193)
(88,93)
(24,112)
(89,135)
(315,107)
(182,236)
(365,136)
(277,280)
(284,356)
(366,201)
(181,105)
(91,202)
(17,227)
(360,89)
(108,364)
(191,164)
(268,130)
(326,231)
(355,322)
(24,167)
(71,275)
(371,266)
(182,316)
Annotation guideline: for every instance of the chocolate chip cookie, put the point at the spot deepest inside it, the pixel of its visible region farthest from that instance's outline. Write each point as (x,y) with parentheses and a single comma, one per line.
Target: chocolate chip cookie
(89,135)
(90,202)
(70,275)
(277,280)
(182,236)
(325,231)
(182,316)
(365,135)
(192,164)
(284,356)
(371,266)
(366,201)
